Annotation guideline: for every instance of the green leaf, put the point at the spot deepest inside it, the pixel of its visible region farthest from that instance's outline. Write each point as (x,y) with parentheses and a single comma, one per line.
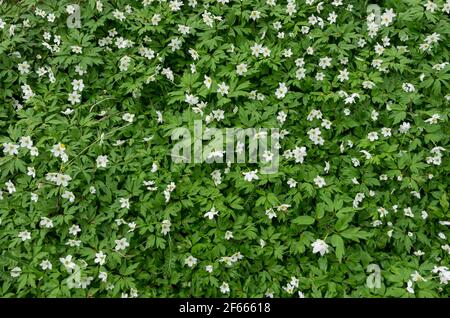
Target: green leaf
(356,234)
(303,220)
(338,244)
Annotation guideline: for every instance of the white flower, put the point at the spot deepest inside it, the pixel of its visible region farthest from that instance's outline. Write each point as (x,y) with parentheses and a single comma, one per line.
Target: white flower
(68,111)
(132,226)
(156,19)
(404,127)
(34,197)
(408,87)
(343,75)
(124,63)
(368,84)
(408,212)
(99,6)
(223,89)
(250,176)
(383,212)
(319,181)
(190,261)
(68,195)
(224,288)
(59,150)
(10,149)
(27,92)
(73,243)
(77,85)
(445,8)
(103,276)
(267,156)
(24,236)
(79,70)
(150,185)
(386,132)
(207,82)
(409,287)
(70,9)
(165,227)
(46,223)
(387,17)
(444,273)
(128,117)
(124,203)
(67,262)
(325,62)
(175,5)
(121,244)
(191,99)
(379,49)
(281,91)
(58,178)
(15,272)
(241,69)
(34,151)
(320,76)
(102,161)
(433,119)
(283,207)
(319,246)
(291,183)
(45,264)
(211,214)
(26,142)
(372,136)
(326,169)
(74,229)
(24,68)
(100,258)
(271,213)
(431,6)
(265,52)
(366,154)
(217,177)
(314,135)
(254,15)
(326,123)
(119,15)
(76,49)
(209,268)
(184,29)
(300,73)
(419,253)
(10,187)
(291,8)
(228,235)
(281,117)
(194,54)
(262,243)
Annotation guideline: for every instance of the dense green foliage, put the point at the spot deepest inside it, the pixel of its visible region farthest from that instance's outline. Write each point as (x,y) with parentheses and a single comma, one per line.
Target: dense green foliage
(92,204)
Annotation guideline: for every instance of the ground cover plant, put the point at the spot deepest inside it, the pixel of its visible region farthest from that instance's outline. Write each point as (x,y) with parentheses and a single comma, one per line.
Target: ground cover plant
(93,204)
